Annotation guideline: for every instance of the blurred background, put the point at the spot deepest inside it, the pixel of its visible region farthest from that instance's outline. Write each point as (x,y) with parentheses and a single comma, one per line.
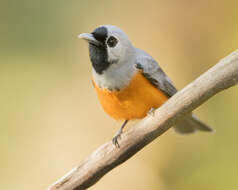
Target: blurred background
(50,118)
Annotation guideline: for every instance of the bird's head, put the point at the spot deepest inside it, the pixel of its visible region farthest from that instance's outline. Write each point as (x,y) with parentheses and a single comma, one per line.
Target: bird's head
(108,45)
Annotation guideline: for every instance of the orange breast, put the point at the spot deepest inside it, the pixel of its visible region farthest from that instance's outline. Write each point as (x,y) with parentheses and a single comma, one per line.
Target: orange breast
(132,102)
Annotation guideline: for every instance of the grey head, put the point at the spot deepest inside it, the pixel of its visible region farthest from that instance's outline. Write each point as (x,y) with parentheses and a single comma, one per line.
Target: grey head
(108,45)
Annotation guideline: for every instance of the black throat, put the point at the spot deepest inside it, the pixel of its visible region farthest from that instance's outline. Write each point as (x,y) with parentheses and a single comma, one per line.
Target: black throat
(98,53)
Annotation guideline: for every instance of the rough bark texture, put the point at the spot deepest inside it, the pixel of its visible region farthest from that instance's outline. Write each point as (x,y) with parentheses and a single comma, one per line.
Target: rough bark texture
(222,76)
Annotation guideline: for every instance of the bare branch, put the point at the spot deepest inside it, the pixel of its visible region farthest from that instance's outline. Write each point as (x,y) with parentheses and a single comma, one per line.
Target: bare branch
(106,157)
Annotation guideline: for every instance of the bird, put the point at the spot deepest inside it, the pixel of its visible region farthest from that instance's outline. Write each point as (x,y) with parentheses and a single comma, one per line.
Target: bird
(129,83)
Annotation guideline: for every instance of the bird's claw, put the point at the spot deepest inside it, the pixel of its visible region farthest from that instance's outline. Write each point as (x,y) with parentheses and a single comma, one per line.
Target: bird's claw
(116,138)
(151,112)
(118,135)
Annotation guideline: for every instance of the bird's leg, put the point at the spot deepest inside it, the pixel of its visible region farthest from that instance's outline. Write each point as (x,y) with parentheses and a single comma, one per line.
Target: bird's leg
(118,134)
(151,112)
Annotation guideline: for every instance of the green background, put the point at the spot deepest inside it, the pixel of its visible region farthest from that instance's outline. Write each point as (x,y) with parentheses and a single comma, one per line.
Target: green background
(50,118)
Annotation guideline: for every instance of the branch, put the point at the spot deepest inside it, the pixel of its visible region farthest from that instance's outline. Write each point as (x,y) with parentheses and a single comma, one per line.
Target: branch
(222,76)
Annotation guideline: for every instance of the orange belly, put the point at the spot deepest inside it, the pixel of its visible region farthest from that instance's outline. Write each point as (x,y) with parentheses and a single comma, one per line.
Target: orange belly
(132,102)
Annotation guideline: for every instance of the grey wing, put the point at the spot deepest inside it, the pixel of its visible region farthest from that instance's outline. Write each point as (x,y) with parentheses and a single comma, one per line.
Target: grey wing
(154,74)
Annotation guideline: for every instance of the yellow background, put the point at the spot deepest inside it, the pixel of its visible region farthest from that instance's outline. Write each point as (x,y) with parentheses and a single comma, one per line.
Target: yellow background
(50,118)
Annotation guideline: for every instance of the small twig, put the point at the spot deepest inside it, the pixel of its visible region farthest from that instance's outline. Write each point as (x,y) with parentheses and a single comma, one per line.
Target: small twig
(106,157)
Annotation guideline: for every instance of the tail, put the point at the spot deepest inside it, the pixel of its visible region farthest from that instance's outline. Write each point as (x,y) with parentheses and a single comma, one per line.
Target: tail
(191,124)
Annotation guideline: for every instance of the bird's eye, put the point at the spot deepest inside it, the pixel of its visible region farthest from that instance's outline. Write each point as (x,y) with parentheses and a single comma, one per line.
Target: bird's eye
(112,41)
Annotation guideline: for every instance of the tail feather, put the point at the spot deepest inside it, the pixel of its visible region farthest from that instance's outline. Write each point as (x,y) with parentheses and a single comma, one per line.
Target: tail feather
(191,124)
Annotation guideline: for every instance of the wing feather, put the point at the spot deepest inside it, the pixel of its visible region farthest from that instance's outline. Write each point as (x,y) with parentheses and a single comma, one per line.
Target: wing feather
(154,74)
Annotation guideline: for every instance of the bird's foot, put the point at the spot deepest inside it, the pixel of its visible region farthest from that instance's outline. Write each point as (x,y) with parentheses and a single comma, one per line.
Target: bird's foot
(116,137)
(151,112)
(118,134)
